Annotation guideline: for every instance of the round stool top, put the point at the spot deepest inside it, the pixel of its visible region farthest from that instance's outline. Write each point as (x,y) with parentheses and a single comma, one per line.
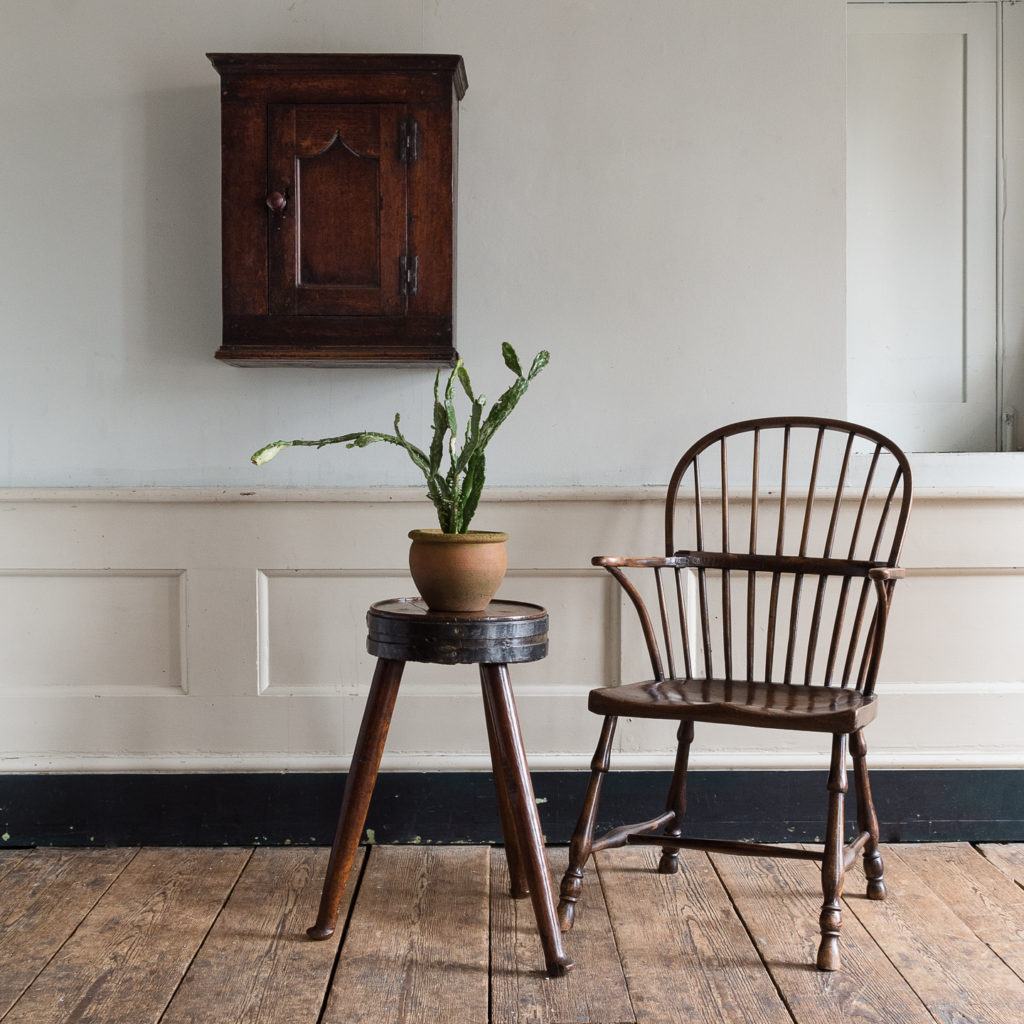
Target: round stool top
(404,629)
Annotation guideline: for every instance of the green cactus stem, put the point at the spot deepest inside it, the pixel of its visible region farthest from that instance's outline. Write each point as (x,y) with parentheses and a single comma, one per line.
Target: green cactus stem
(455,491)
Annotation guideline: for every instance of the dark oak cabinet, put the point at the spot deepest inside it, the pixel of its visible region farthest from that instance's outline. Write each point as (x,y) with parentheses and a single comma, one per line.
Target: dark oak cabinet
(338,207)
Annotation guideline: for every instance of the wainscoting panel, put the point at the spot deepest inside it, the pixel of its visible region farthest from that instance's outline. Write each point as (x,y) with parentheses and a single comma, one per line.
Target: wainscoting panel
(308,619)
(217,631)
(959,626)
(92,632)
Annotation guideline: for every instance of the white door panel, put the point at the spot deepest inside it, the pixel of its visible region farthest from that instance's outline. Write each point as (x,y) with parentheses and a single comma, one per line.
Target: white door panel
(921,222)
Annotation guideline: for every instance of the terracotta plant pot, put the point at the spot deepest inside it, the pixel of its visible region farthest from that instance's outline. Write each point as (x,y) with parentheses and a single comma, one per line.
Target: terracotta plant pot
(457,572)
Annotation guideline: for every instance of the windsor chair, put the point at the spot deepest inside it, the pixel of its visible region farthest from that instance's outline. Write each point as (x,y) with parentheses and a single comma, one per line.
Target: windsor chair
(771,614)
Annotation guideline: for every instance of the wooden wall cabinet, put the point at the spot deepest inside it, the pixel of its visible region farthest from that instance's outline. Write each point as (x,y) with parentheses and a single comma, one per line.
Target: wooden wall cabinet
(338,207)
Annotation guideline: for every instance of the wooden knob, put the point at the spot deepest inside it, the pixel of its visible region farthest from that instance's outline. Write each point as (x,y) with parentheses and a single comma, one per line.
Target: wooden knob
(276,201)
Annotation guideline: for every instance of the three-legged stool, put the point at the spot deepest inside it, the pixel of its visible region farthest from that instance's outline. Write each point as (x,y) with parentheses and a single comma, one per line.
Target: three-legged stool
(404,630)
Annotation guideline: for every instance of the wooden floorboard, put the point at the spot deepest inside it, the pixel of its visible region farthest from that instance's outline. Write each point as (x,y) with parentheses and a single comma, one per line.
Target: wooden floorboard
(779,902)
(8,858)
(1009,858)
(948,966)
(978,892)
(45,896)
(128,956)
(257,957)
(685,953)
(172,936)
(521,992)
(416,950)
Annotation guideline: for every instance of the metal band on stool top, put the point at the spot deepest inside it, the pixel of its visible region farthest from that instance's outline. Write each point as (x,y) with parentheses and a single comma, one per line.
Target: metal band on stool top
(508,632)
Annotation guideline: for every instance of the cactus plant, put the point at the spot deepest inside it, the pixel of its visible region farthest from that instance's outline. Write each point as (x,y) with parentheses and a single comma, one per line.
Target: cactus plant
(455,491)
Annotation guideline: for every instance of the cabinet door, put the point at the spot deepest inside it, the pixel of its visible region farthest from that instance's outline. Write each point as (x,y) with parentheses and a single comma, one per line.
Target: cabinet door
(337,216)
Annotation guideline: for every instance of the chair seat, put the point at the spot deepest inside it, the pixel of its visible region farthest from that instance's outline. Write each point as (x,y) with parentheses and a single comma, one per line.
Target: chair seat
(731,702)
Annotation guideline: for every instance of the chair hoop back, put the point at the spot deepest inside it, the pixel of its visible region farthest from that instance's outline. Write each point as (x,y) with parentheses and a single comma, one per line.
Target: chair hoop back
(777,531)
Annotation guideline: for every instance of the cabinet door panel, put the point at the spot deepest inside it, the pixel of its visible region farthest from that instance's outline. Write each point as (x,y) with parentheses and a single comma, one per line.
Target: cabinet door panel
(339,220)
(335,244)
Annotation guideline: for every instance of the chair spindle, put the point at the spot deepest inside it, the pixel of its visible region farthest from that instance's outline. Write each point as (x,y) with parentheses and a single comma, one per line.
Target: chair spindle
(752,549)
(725,580)
(666,628)
(683,628)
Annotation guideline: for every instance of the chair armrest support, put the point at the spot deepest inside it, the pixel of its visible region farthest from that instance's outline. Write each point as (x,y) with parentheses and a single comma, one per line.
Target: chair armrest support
(616,565)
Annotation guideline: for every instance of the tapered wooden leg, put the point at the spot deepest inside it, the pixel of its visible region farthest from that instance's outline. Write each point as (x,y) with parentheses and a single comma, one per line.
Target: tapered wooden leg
(867,820)
(669,863)
(832,863)
(497,691)
(583,836)
(519,888)
(358,789)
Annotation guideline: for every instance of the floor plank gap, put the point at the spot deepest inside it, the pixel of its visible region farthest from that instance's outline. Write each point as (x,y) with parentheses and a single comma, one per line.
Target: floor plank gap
(351,892)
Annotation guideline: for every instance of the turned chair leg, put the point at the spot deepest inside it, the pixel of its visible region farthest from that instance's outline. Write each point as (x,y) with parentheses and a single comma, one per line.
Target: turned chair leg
(833,860)
(867,820)
(676,803)
(583,836)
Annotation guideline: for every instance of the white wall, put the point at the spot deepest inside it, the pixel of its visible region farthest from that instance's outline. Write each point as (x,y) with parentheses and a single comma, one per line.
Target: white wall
(651,190)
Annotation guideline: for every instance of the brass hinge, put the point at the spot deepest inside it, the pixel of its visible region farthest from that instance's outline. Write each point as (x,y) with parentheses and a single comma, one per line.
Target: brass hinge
(408,274)
(408,140)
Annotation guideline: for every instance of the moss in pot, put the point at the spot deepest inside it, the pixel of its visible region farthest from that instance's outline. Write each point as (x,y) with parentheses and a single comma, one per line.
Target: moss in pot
(455,568)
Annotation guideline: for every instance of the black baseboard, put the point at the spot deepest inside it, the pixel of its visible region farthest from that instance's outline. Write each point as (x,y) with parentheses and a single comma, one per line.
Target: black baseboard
(458,807)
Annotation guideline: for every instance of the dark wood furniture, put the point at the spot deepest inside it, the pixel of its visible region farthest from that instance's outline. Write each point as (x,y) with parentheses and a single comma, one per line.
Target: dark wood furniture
(507,632)
(768,609)
(338,207)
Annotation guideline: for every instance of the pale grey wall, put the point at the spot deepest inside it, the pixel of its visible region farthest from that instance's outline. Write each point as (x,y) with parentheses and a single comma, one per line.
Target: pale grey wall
(652,190)
(1013,214)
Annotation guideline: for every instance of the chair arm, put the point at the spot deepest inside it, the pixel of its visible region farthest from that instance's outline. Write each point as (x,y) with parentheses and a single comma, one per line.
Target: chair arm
(886,573)
(627,562)
(755,563)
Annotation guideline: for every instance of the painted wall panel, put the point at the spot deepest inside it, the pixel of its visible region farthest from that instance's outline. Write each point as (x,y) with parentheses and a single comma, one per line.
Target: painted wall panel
(92,632)
(273,636)
(959,626)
